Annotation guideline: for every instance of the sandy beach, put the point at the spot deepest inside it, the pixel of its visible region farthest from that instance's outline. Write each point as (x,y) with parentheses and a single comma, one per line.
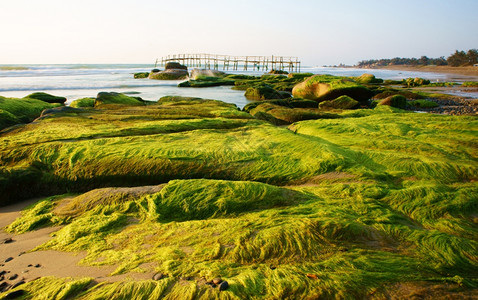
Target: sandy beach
(465,71)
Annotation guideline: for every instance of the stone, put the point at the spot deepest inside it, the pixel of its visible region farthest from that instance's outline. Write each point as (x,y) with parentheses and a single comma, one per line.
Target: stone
(47,97)
(18,283)
(3,272)
(368,79)
(37,266)
(223,286)
(140,75)
(8,259)
(175,66)
(158,276)
(13,277)
(155,70)
(262,93)
(4,286)
(169,74)
(327,87)
(217,280)
(15,294)
(6,241)
(342,102)
(105,98)
(198,73)
(59,110)
(397,101)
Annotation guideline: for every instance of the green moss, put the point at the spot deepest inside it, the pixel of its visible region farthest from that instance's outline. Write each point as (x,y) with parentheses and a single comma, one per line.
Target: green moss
(47,97)
(105,98)
(262,93)
(470,84)
(397,101)
(342,102)
(21,110)
(283,115)
(141,75)
(368,79)
(83,102)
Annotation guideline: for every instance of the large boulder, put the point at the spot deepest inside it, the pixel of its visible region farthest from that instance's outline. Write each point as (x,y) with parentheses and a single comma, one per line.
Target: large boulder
(397,101)
(175,66)
(342,102)
(262,93)
(326,87)
(47,97)
(140,75)
(201,73)
(368,79)
(105,98)
(169,74)
(83,102)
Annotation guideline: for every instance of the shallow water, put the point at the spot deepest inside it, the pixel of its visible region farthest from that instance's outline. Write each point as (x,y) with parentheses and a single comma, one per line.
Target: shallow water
(78,80)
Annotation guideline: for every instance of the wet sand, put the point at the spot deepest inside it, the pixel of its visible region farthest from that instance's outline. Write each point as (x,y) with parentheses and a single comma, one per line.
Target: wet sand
(31,265)
(464,71)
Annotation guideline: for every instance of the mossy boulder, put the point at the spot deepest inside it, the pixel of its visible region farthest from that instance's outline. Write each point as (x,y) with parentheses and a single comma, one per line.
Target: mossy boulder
(206,81)
(59,111)
(140,75)
(201,73)
(262,93)
(278,72)
(16,111)
(342,102)
(397,101)
(384,93)
(83,102)
(105,98)
(413,82)
(175,66)
(368,79)
(47,97)
(282,115)
(326,87)
(169,74)
(300,76)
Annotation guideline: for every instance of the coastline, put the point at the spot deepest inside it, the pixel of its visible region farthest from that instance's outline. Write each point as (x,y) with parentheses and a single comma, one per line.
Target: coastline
(465,71)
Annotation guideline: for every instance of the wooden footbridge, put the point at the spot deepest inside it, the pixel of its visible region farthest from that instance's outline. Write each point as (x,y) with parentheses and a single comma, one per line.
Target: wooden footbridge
(214,61)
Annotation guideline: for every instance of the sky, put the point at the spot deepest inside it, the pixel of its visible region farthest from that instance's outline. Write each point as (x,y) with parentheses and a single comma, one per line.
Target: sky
(319,32)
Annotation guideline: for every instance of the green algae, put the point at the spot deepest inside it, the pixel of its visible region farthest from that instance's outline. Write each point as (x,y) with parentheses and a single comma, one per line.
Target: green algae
(329,208)
(47,97)
(83,102)
(16,111)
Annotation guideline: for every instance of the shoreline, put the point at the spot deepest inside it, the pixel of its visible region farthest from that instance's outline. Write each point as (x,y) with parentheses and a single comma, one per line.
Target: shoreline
(464,71)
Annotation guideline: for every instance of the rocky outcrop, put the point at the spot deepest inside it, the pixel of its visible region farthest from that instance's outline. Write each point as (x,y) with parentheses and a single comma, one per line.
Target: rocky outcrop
(397,101)
(342,102)
(113,98)
(201,73)
(326,87)
(169,74)
(262,93)
(175,66)
(368,79)
(47,97)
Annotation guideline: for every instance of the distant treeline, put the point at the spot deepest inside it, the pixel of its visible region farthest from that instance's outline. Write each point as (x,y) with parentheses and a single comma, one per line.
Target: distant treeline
(457,59)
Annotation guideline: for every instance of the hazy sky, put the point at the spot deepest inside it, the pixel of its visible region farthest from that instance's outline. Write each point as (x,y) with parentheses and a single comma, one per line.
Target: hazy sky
(318,32)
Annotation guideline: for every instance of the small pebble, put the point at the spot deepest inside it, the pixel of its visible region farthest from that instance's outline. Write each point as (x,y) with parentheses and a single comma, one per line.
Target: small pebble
(15,294)
(13,277)
(2,272)
(30,265)
(8,259)
(25,271)
(6,241)
(21,253)
(158,276)
(217,280)
(3,286)
(223,286)
(18,283)
(37,265)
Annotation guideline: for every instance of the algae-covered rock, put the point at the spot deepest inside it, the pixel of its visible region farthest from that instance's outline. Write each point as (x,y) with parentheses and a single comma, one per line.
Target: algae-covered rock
(169,74)
(278,72)
(16,111)
(282,115)
(206,81)
(200,73)
(342,102)
(105,98)
(326,87)
(262,93)
(301,76)
(47,97)
(140,75)
(62,110)
(83,102)
(397,101)
(413,82)
(175,66)
(368,79)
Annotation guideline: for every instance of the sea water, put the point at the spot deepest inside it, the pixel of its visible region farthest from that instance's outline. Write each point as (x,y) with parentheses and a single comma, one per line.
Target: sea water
(75,81)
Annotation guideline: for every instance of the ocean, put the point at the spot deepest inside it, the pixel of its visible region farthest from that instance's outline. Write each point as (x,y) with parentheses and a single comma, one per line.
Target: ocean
(75,81)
